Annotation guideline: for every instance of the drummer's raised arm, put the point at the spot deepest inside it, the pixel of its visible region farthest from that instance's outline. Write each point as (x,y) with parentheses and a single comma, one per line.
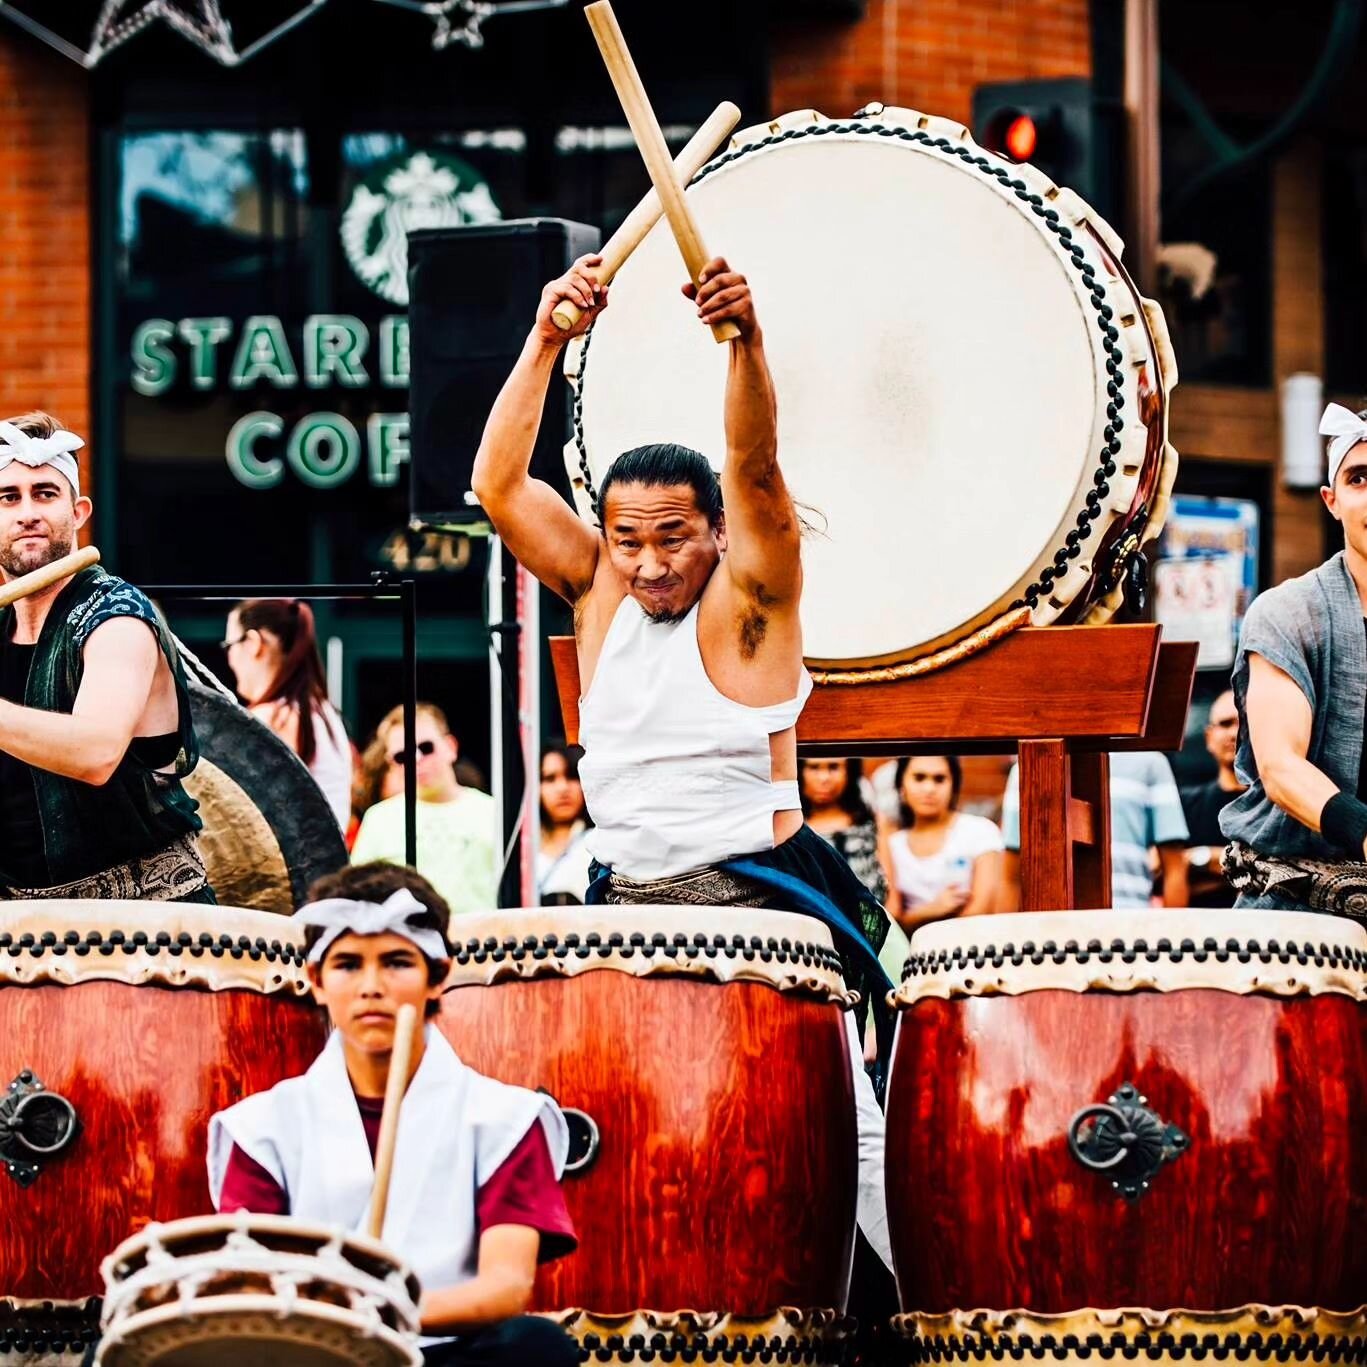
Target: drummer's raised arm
(537,525)
(763,555)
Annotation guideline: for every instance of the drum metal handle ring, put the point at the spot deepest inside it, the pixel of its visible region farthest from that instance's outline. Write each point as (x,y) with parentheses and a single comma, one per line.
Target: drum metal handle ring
(36,1125)
(1124,1139)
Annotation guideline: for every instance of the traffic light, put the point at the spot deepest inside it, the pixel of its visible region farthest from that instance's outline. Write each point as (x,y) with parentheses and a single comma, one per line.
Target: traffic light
(1057,126)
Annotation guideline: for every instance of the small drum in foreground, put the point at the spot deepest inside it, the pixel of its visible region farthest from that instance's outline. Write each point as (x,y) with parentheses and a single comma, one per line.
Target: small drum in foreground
(124,1027)
(1132,1134)
(231,1290)
(982,401)
(702,1059)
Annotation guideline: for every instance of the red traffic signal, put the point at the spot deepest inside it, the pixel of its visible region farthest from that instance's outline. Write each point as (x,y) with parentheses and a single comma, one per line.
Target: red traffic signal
(1012,133)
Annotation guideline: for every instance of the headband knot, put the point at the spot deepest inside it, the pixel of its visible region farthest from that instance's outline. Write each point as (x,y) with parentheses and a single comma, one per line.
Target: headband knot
(1344,429)
(56,451)
(338,916)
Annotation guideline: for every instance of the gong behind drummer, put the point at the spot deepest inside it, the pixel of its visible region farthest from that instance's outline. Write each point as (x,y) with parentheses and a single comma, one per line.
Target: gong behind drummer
(690,655)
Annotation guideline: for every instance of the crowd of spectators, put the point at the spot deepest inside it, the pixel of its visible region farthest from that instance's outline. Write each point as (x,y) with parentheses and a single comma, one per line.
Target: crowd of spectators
(899,824)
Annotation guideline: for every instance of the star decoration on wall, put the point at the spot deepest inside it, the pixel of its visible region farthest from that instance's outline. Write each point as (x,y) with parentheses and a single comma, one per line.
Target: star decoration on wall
(200,21)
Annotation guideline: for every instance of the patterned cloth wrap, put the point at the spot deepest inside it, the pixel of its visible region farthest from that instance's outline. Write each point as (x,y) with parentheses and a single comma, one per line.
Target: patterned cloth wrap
(711,887)
(1337,888)
(174,874)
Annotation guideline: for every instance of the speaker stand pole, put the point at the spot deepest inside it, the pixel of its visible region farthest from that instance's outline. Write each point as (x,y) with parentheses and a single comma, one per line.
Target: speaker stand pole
(514,723)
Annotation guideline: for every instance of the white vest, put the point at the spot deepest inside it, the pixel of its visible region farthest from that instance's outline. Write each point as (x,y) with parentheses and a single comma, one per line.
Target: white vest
(455,1129)
(676,776)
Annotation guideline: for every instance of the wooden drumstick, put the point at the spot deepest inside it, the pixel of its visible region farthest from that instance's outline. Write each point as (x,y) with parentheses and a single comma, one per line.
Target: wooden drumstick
(405,1031)
(619,247)
(651,142)
(38,580)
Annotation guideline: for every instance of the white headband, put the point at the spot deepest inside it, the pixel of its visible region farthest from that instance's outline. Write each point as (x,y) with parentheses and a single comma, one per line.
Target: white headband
(35,451)
(1345,429)
(336,916)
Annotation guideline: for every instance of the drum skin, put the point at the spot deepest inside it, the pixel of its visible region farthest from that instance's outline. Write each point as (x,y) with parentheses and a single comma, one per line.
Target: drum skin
(726,1176)
(989,1208)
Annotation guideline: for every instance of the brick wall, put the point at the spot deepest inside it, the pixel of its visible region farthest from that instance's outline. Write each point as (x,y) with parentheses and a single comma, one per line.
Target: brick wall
(45,289)
(926,54)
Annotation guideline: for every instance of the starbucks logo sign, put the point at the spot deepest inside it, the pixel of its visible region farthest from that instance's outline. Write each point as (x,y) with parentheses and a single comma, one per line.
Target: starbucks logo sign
(405,192)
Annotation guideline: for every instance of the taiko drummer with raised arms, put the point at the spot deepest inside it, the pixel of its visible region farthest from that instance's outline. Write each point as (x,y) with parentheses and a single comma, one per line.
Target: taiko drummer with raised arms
(95,726)
(690,655)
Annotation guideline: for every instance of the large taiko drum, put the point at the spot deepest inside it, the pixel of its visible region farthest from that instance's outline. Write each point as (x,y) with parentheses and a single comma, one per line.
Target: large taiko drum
(1137,1134)
(705,1069)
(970,388)
(123,1027)
(232,1290)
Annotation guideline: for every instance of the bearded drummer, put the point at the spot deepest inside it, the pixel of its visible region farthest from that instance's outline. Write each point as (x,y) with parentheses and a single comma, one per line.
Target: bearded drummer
(1299,831)
(690,656)
(95,726)
(475,1200)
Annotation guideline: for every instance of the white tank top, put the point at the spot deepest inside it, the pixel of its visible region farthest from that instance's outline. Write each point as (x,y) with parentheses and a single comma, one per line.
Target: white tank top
(676,776)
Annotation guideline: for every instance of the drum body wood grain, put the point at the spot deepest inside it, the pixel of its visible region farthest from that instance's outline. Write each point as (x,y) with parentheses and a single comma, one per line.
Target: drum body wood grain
(145,1040)
(724,1179)
(1236,1044)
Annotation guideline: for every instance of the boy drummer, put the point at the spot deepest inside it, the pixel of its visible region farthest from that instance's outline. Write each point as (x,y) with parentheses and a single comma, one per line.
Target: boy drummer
(475,1200)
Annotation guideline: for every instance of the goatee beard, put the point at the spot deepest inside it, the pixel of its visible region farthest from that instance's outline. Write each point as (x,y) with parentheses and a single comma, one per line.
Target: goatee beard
(16,565)
(664,616)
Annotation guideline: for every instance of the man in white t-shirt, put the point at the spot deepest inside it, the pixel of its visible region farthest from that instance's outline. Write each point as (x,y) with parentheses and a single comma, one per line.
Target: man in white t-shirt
(456,828)
(1146,814)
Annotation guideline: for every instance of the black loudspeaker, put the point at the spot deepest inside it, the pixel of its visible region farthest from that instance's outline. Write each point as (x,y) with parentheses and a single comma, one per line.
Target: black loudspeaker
(473,294)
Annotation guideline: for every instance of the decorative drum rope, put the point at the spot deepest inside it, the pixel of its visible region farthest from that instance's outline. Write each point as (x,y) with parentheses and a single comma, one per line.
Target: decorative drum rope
(225,1289)
(976,398)
(1132,1134)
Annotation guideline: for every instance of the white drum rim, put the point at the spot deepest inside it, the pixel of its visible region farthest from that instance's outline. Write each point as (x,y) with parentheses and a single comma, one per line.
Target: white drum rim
(209,1308)
(783,950)
(1119,442)
(1274,953)
(167,944)
(169,1232)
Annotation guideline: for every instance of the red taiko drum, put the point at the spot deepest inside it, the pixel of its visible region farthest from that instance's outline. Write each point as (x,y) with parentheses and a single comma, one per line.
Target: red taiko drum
(124,1026)
(1138,1134)
(707,1079)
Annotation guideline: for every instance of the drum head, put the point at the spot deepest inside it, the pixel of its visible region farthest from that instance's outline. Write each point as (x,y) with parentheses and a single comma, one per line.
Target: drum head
(939,360)
(229,1331)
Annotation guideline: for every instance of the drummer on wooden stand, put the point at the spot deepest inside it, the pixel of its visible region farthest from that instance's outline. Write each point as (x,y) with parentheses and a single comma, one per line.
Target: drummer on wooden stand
(690,657)
(95,727)
(475,1200)
(1299,831)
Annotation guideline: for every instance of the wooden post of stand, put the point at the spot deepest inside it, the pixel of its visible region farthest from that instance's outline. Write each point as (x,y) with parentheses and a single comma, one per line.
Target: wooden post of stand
(1065,807)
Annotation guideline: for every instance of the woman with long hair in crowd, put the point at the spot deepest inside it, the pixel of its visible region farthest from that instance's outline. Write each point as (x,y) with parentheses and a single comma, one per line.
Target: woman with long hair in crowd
(562,858)
(944,862)
(272,651)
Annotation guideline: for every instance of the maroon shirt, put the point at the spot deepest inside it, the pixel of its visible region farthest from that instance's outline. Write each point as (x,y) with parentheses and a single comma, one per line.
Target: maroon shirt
(523,1190)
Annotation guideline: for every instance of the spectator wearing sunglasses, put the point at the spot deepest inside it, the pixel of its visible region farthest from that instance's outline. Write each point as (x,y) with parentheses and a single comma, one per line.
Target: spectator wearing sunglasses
(1203,803)
(456,851)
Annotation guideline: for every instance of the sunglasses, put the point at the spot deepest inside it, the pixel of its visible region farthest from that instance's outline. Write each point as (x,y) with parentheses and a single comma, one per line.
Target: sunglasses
(425,748)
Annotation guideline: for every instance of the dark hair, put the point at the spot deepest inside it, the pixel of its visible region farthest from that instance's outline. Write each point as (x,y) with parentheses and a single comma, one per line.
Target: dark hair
(299,680)
(851,799)
(571,754)
(376,882)
(664,463)
(956,781)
